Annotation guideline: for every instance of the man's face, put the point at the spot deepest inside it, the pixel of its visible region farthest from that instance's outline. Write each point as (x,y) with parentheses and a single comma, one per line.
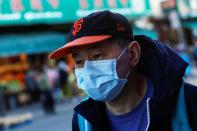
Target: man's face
(102,51)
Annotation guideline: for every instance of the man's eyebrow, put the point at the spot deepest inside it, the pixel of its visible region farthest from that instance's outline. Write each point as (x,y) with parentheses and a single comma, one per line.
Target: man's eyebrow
(92,47)
(95,46)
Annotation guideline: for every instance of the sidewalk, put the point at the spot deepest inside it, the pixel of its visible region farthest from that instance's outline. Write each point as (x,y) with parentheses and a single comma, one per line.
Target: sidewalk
(60,121)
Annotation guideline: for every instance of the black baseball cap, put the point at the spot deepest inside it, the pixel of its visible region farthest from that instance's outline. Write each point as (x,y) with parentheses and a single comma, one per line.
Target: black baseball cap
(93,28)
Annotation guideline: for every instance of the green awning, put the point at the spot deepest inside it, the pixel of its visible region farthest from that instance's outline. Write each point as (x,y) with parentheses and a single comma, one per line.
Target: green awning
(35,43)
(190,24)
(150,33)
(32,43)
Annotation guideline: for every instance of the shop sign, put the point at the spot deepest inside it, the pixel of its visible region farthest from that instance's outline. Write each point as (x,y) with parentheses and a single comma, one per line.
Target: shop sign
(129,8)
(31,11)
(187,8)
(13,12)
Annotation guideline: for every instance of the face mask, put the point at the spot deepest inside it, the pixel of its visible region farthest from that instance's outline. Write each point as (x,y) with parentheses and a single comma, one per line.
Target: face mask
(99,79)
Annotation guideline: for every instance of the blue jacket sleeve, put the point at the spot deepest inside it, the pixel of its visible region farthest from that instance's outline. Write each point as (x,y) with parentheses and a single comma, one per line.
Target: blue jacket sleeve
(191,97)
(75,126)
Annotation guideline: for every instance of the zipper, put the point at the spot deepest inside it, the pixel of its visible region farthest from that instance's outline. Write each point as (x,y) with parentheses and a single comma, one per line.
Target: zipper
(148,113)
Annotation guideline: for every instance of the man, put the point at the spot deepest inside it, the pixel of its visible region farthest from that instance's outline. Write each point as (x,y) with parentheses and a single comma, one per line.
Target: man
(134,83)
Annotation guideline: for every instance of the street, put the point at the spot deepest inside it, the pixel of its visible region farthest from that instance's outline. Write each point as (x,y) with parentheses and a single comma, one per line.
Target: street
(60,121)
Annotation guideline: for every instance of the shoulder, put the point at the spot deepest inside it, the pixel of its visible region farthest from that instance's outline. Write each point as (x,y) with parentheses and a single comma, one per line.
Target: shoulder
(190,90)
(79,108)
(190,99)
(190,94)
(75,125)
(78,119)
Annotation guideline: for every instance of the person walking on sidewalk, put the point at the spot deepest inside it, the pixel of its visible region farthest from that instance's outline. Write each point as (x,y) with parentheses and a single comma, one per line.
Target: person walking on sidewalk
(48,102)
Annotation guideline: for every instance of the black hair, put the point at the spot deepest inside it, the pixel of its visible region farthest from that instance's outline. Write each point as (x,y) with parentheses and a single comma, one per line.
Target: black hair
(121,41)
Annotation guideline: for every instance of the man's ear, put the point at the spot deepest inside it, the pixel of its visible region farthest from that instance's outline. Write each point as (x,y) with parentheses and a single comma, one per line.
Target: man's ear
(134,53)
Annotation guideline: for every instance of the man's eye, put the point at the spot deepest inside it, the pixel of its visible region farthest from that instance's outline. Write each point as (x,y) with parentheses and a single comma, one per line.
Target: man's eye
(97,56)
(79,62)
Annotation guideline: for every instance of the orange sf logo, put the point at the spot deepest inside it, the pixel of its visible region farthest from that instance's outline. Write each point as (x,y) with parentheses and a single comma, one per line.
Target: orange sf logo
(120,27)
(77,26)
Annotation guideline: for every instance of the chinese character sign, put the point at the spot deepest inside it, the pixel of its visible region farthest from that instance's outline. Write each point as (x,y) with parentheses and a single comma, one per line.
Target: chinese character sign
(129,8)
(32,11)
(16,12)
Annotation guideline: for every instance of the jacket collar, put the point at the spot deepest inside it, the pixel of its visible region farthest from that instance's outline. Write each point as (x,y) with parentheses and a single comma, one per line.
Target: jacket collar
(94,112)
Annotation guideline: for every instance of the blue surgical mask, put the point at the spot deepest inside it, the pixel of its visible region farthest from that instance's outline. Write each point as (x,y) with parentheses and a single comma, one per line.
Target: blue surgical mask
(99,79)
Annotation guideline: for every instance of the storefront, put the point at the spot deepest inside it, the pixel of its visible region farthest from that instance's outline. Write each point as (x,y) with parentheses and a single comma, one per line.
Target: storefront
(20,41)
(15,60)
(188,12)
(36,26)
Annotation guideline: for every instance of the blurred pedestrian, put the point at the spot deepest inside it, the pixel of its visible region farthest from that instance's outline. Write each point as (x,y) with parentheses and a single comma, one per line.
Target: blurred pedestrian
(32,85)
(74,90)
(47,99)
(63,75)
(54,78)
(2,104)
(133,82)
(194,52)
(52,74)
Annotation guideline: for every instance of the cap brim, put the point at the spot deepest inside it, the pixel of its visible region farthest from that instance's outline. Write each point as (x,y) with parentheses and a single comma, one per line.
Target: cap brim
(63,51)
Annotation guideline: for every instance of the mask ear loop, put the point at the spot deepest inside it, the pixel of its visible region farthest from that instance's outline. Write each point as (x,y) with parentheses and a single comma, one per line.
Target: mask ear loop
(122,54)
(125,50)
